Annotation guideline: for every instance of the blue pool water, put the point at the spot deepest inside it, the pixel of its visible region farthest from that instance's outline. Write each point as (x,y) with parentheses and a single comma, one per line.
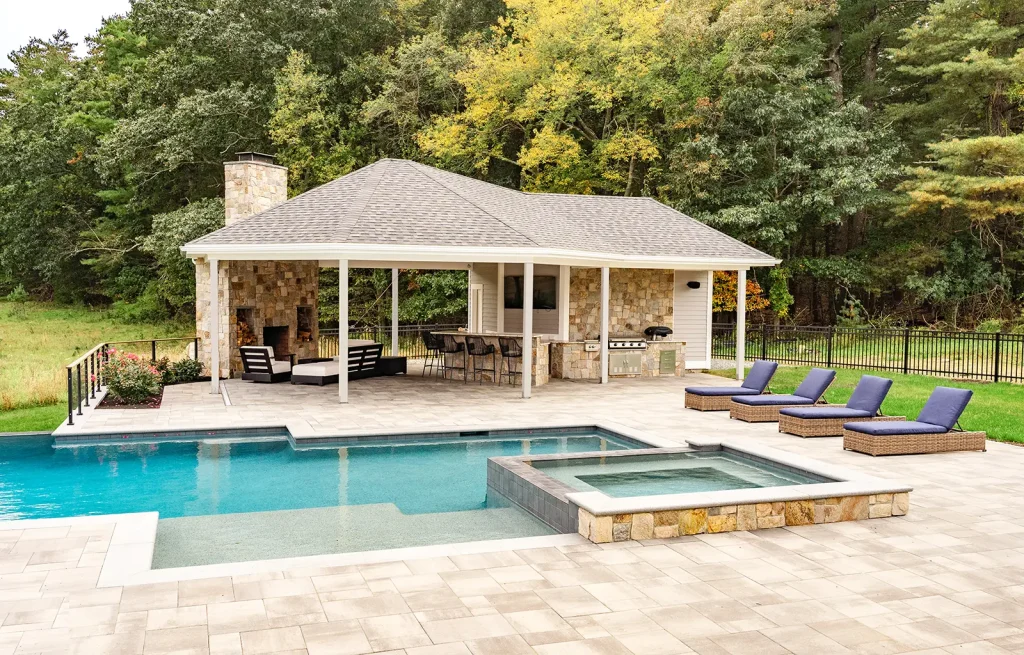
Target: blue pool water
(189,479)
(678,473)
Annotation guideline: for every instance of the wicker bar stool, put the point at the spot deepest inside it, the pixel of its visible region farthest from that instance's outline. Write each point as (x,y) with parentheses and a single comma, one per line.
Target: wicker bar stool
(511,352)
(434,360)
(476,348)
(450,346)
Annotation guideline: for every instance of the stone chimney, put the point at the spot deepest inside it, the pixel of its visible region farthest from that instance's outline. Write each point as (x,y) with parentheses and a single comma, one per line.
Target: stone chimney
(252,184)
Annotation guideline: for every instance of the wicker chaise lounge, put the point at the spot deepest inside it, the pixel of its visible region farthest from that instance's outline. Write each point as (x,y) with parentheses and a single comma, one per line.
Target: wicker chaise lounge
(932,432)
(763,409)
(715,399)
(864,405)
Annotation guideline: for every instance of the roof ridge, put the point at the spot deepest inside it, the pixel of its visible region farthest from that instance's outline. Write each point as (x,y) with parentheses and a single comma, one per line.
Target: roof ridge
(423,168)
(357,214)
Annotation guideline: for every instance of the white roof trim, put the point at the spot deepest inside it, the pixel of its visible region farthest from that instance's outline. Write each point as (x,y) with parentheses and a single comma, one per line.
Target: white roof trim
(428,254)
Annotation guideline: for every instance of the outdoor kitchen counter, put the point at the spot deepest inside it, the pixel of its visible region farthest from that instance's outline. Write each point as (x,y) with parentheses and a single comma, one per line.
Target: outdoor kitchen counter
(571,360)
(540,355)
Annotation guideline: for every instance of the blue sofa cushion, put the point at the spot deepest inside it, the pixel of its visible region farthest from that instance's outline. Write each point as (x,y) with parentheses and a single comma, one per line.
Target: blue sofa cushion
(869,394)
(883,428)
(721,391)
(773,399)
(825,412)
(815,384)
(945,406)
(760,375)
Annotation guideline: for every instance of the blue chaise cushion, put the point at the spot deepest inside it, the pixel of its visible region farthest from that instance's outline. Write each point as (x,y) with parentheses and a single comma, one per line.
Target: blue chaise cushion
(760,375)
(945,406)
(883,428)
(815,384)
(773,399)
(721,391)
(869,394)
(825,412)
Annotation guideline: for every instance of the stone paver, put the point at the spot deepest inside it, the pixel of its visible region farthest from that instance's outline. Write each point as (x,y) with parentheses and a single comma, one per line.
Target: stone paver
(946,578)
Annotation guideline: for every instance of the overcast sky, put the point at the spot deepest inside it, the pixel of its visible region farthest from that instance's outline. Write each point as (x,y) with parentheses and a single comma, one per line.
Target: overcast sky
(20,20)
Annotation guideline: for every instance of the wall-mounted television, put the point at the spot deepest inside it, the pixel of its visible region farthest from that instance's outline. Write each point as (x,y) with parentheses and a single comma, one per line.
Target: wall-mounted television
(545,292)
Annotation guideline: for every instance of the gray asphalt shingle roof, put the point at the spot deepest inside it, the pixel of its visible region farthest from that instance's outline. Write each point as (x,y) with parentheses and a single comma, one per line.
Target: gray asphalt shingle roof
(399,202)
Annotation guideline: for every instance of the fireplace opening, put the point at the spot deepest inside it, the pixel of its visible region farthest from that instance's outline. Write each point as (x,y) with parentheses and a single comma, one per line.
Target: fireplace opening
(277,338)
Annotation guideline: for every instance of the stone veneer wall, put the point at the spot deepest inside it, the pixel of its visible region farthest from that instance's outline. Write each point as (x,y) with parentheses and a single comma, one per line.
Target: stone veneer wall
(674,523)
(251,187)
(638,298)
(273,289)
(571,361)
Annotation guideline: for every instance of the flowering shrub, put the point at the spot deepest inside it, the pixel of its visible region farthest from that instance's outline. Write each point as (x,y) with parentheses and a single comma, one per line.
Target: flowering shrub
(185,370)
(130,378)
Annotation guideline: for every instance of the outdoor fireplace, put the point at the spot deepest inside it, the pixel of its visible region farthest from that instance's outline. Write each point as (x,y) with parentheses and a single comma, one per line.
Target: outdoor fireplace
(277,338)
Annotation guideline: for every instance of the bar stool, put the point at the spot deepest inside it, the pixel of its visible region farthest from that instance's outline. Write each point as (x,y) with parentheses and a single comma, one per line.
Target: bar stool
(511,350)
(452,347)
(434,360)
(476,348)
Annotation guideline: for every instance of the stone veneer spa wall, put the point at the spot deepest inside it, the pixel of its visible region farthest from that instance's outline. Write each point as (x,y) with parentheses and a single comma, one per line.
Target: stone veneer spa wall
(709,520)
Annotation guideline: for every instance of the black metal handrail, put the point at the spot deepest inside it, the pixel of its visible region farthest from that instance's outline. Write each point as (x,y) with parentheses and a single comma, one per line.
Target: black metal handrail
(974,355)
(410,338)
(91,364)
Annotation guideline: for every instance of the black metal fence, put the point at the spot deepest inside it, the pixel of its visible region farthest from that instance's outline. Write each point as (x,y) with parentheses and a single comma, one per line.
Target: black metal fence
(410,339)
(972,355)
(85,374)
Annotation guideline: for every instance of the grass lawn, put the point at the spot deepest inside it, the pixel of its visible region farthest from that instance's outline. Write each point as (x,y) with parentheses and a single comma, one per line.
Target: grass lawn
(995,407)
(37,340)
(33,419)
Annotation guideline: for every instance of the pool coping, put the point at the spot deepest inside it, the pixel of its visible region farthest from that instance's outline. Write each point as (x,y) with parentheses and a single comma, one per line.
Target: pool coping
(300,434)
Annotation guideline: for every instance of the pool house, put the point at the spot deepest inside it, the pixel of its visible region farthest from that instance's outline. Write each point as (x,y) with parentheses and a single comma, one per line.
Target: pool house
(581,279)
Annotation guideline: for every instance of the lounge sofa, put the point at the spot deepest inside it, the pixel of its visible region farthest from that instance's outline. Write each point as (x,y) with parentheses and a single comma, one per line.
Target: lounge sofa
(864,405)
(716,399)
(364,361)
(765,408)
(936,429)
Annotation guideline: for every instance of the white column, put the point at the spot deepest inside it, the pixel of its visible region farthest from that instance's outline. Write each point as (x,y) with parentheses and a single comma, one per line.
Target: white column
(214,321)
(709,332)
(469,301)
(605,275)
(527,328)
(563,303)
(343,330)
(741,323)
(394,312)
(501,297)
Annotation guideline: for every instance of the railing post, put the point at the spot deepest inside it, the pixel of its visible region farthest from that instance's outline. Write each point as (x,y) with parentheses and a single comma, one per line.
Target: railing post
(764,341)
(86,396)
(78,374)
(906,351)
(152,345)
(71,411)
(995,371)
(831,338)
(195,348)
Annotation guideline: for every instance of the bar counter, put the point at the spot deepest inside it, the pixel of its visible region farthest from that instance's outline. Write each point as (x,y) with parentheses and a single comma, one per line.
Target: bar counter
(540,367)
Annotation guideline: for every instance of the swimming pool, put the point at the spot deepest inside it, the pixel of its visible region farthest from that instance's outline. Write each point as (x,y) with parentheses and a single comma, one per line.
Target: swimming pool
(227,500)
(671,473)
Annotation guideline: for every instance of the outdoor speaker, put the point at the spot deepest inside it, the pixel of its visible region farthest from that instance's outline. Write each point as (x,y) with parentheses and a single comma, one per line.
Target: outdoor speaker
(693,284)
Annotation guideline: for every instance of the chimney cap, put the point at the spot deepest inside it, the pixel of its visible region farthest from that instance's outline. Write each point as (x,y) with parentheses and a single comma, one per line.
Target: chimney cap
(258,157)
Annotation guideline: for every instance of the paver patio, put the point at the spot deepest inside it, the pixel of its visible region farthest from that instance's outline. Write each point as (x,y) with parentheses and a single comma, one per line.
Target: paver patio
(946,578)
